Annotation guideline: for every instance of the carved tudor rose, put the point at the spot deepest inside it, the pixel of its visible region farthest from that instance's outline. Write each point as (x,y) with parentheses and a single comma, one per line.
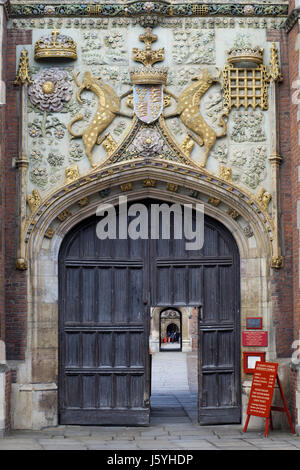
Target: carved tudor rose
(50,89)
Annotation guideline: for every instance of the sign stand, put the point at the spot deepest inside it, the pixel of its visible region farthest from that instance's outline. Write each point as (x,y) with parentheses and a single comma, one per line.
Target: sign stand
(261,395)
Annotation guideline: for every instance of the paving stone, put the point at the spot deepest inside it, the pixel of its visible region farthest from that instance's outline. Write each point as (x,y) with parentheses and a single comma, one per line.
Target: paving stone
(24,445)
(186,444)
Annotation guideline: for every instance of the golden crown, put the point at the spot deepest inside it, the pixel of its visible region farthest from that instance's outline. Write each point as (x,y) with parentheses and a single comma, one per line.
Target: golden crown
(55,45)
(149,75)
(245,55)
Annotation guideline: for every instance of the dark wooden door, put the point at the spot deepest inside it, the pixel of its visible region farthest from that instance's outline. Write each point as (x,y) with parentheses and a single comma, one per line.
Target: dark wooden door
(103,330)
(219,329)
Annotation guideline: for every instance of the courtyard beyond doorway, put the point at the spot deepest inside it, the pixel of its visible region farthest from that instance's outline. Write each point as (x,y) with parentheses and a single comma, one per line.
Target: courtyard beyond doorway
(174,390)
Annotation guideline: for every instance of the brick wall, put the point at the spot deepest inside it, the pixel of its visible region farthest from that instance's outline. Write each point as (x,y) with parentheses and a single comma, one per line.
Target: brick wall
(15,301)
(2,192)
(295,191)
(282,279)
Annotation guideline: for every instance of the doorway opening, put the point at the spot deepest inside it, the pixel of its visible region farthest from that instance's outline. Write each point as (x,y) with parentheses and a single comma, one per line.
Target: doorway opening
(174,370)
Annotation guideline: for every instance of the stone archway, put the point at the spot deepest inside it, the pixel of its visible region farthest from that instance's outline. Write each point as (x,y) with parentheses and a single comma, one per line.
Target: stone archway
(37,377)
(188,337)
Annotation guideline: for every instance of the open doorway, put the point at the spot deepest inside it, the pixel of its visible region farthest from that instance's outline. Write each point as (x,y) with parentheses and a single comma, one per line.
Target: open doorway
(170,327)
(174,370)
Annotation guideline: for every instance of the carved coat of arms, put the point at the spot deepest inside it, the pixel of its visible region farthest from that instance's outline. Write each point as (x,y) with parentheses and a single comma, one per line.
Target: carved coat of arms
(148,102)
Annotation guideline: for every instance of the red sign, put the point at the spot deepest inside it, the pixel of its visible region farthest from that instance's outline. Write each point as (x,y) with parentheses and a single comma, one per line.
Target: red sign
(255,338)
(262,389)
(261,395)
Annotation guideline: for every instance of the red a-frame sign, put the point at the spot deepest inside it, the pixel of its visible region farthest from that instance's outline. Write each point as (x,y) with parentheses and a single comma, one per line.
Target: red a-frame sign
(261,395)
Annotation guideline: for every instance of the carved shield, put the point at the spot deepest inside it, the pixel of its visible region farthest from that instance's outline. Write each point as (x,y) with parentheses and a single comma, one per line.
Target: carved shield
(148,102)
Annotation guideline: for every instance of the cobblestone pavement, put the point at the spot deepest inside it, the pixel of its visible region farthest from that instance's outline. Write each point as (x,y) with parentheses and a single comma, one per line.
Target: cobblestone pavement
(173,426)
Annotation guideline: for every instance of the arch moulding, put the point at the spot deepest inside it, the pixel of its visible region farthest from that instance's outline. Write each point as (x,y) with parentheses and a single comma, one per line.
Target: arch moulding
(36,387)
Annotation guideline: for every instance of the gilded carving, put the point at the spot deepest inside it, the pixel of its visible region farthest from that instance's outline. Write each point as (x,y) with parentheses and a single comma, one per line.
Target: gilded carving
(264,198)
(149,183)
(277,262)
(83,202)
(109,144)
(72,174)
(34,200)
(64,215)
(172,187)
(21,264)
(274,69)
(233,213)
(108,108)
(148,57)
(55,46)
(225,173)
(23,75)
(126,187)
(49,233)
(188,104)
(187,145)
(214,201)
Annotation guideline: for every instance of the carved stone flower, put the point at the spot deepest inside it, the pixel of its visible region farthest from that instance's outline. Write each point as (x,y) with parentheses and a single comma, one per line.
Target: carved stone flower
(248,10)
(50,89)
(148,6)
(147,143)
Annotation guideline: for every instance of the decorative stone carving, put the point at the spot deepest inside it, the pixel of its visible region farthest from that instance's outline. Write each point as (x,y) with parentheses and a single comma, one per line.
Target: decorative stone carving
(76,152)
(64,215)
(126,187)
(21,264)
(50,89)
(194,47)
(147,143)
(55,46)
(149,183)
(109,144)
(214,201)
(55,159)
(34,200)
(187,145)
(83,202)
(23,75)
(248,231)
(233,213)
(248,126)
(172,187)
(49,233)
(48,126)
(264,198)
(72,174)
(277,262)
(225,173)
(188,104)
(108,108)
(39,176)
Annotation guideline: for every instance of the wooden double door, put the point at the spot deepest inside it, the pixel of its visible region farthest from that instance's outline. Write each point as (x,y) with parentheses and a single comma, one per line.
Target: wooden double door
(106,289)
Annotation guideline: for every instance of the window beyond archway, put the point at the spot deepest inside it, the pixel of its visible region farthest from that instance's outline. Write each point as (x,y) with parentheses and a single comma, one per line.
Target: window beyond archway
(170,330)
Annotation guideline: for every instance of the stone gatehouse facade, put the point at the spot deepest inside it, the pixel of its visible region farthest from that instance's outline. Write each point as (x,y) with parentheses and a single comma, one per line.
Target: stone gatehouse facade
(176,102)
